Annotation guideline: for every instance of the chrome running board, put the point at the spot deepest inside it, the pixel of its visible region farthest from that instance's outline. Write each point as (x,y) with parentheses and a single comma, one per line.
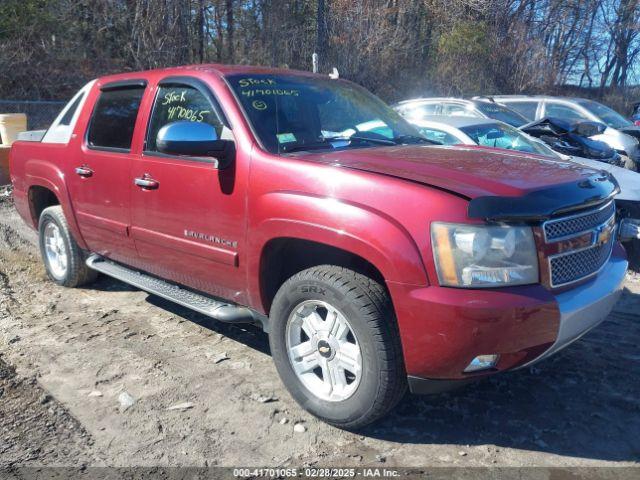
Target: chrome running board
(217,309)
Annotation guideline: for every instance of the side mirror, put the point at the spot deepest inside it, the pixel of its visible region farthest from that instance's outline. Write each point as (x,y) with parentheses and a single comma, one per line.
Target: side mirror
(193,139)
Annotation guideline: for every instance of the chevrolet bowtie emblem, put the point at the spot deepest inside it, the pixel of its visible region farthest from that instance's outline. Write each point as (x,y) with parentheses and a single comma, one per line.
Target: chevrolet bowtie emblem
(603,234)
(324,349)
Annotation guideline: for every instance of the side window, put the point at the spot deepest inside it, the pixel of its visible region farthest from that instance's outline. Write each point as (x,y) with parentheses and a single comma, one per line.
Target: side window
(562,111)
(439,136)
(114,118)
(457,110)
(68,116)
(175,103)
(526,109)
(419,112)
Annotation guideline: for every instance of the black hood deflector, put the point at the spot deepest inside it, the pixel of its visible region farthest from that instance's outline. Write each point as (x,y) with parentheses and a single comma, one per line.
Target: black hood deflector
(545,203)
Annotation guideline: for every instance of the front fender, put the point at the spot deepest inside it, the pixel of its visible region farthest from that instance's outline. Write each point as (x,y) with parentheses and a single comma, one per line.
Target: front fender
(370,234)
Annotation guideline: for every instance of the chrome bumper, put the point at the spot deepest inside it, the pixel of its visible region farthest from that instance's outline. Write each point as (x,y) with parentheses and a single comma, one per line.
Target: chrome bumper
(585,307)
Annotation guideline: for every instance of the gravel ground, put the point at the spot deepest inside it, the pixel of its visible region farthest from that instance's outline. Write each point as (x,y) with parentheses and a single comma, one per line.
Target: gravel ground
(109,375)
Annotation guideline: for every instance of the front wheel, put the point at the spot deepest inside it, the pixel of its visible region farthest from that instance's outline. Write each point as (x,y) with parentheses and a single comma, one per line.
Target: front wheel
(336,345)
(63,258)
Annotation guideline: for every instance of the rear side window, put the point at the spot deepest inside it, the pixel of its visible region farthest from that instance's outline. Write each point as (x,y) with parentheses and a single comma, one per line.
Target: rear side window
(68,116)
(526,109)
(419,112)
(457,110)
(114,118)
(563,111)
(175,103)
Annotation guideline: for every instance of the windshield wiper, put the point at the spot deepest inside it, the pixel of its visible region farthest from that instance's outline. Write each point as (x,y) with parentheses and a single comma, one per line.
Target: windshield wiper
(414,139)
(326,142)
(358,138)
(306,146)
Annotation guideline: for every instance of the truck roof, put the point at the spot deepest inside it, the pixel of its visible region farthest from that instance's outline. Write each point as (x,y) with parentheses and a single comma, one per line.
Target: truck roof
(215,68)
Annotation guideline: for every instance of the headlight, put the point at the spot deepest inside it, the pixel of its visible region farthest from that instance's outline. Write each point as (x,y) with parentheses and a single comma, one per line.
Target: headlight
(475,256)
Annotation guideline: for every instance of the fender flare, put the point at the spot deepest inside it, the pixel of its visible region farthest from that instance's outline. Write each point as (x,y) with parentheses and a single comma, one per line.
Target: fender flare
(41,175)
(369,234)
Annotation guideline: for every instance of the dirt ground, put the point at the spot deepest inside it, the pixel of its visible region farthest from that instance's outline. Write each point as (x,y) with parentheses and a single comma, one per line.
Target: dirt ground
(109,375)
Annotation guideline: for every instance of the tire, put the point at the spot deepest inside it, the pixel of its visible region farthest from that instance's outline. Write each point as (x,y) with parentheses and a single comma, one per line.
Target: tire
(356,398)
(56,241)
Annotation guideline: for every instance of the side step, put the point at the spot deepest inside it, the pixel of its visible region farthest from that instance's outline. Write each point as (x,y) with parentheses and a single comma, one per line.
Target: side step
(221,311)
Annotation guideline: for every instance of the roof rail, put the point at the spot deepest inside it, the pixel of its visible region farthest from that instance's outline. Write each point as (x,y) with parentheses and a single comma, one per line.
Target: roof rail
(485,97)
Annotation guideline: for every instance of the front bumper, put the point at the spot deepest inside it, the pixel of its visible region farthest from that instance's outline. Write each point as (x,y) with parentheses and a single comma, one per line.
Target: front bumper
(585,307)
(443,329)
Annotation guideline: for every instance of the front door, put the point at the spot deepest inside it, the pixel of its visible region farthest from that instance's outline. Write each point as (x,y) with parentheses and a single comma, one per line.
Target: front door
(100,174)
(188,215)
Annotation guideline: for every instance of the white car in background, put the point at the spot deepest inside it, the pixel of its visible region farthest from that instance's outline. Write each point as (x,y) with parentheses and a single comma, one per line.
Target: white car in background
(495,134)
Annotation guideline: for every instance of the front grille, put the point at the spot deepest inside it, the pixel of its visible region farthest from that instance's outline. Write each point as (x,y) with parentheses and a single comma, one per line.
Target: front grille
(577,265)
(573,265)
(570,226)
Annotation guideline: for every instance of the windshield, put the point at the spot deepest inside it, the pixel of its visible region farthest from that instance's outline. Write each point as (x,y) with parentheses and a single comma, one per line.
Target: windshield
(608,116)
(504,114)
(503,136)
(295,113)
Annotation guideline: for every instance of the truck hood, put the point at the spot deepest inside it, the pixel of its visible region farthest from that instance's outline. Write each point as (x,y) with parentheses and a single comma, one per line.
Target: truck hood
(501,184)
(469,171)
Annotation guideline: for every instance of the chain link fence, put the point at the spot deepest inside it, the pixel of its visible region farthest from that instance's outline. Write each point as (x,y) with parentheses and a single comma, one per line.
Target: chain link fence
(40,113)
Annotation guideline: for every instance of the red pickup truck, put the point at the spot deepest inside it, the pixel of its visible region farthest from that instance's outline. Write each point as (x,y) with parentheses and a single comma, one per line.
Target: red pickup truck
(374,259)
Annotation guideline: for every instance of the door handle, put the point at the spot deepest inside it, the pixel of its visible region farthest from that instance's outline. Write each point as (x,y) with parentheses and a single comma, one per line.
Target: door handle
(84,171)
(146,182)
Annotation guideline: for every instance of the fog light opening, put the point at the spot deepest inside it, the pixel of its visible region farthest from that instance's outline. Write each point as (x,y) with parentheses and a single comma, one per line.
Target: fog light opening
(482,362)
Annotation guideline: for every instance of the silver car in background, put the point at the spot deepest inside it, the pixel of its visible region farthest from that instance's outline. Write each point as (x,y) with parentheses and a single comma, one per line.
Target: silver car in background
(620,135)
(418,108)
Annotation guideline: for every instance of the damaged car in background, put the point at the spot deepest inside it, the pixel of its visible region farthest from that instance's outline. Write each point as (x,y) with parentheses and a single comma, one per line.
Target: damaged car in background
(573,138)
(620,133)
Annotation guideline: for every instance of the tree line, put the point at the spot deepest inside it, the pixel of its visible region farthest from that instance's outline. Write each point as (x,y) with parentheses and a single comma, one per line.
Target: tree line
(396,48)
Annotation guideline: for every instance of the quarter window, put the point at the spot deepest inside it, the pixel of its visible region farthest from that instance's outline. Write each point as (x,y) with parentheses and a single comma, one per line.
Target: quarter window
(114,118)
(68,116)
(175,103)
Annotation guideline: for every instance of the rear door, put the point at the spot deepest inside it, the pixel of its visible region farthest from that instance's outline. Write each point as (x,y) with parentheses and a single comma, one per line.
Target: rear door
(190,225)
(100,173)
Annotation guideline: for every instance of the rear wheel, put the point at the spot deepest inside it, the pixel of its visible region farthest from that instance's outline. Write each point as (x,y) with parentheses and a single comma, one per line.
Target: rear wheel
(63,258)
(336,346)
